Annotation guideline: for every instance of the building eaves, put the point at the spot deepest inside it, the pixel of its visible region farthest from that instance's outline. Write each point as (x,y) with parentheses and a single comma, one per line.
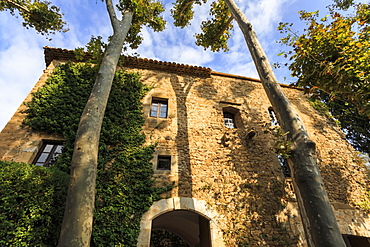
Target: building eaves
(144,63)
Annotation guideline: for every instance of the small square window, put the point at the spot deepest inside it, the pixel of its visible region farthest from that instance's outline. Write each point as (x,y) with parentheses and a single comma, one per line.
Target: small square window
(48,154)
(159,108)
(164,162)
(229,120)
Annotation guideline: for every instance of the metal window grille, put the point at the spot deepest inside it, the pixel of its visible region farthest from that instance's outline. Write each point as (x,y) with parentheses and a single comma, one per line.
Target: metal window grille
(229,120)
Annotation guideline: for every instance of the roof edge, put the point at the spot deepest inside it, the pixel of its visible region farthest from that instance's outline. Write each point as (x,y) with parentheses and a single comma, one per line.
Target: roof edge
(51,54)
(144,63)
(249,79)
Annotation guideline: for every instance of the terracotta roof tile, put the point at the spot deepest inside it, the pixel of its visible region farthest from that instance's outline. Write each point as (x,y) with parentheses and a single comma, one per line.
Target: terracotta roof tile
(144,63)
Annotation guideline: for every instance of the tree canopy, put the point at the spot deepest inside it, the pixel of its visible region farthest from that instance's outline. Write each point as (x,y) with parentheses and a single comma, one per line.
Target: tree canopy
(332,55)
(40,15)
(216,31)
(330,60)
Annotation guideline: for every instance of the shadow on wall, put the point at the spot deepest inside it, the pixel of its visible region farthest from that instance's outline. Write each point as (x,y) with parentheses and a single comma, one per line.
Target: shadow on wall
(247,178)
(182,89)
(262,185)
(341,169)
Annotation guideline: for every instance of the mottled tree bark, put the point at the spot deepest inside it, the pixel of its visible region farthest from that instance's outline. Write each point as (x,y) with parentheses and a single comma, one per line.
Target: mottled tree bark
(318,216)
(78,216)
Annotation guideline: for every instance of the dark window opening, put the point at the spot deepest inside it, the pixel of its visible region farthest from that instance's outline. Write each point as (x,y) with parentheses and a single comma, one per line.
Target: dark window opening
(273,118)
(164,162)
(282,160)
(284,166)
(229,120)
(356,241)
(48,154)
(159,108)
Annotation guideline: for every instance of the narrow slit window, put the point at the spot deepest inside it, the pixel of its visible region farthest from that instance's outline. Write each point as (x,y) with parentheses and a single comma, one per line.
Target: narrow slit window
(284,166)
(229,120)
(282,160)
(164,162)
(273,118)
(48,154)
(159,108)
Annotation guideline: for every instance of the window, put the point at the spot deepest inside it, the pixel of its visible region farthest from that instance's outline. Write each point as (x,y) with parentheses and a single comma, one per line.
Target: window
(164,162)
(356,241)
(284,166)
(273,117)
(282,160)
(159,108)
(48,154)
(229,119)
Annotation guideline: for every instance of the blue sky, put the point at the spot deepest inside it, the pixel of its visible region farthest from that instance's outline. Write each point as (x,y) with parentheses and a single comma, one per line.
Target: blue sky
(22,61)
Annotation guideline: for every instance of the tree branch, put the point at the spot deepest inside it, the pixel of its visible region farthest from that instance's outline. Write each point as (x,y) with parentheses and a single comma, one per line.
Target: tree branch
(217,36)
(112,15)
(185,6)
(17,5)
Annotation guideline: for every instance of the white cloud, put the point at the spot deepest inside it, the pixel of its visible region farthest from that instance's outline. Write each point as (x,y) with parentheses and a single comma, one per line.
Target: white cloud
(247,69)
(21,64)
(264,15)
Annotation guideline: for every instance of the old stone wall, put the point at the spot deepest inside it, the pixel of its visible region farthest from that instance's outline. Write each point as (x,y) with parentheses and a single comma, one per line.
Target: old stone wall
(237,175)
(20,144)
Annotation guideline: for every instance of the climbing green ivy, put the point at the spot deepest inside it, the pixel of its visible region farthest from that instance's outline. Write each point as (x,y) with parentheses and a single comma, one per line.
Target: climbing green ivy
(31,204)
(125,188)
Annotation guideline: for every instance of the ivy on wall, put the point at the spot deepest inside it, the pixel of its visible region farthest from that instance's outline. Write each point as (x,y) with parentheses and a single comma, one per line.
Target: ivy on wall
(125,188)
(31,204)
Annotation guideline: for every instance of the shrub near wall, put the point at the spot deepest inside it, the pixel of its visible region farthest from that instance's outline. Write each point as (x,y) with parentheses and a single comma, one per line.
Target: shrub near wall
(31,204)
(124,183)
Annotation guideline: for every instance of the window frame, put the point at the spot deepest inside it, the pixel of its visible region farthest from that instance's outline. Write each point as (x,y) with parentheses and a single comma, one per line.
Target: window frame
(50,154)
(168,161)
(161,103)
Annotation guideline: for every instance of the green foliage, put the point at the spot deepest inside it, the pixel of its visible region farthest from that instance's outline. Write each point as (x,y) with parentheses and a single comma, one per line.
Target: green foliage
(282,145)
(163,238)
(355,125)
(333,55)
(365,204)
(183,12)
(31,204)
(215,31)
(40,15)
(344,4)
(124,183)
(146,13)
(320,106)
(95,47)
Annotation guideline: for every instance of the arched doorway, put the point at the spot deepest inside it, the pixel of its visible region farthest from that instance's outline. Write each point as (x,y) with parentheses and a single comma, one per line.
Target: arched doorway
(189,218)
(193,228)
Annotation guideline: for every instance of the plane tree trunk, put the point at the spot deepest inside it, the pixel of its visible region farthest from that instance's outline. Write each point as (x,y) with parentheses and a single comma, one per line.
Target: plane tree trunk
(78,216)
(318,216)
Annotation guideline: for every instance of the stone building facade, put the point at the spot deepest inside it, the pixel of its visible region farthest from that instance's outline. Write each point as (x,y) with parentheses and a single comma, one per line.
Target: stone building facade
(214,141)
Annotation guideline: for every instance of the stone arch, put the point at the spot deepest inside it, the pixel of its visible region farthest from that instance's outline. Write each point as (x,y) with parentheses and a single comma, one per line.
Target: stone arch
(181,203)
